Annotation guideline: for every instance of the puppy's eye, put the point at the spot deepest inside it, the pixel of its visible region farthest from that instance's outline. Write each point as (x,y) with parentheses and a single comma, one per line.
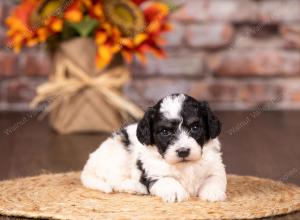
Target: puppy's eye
(165,132)
(195,128)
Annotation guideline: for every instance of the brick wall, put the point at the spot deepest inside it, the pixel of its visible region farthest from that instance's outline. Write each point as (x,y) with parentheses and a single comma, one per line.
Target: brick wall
(236,54)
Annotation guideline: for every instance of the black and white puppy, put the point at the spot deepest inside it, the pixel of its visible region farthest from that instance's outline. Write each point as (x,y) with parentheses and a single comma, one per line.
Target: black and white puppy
(173,153)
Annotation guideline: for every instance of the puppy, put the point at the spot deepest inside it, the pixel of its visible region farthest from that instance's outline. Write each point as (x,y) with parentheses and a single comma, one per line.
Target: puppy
(172,153)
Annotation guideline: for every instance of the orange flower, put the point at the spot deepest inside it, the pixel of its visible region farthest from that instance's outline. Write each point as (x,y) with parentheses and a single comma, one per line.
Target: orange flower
(108,42)
(156,11)
(24,10)
(95,10)
(150,41)
(74,13)
(56,25)
(19,29)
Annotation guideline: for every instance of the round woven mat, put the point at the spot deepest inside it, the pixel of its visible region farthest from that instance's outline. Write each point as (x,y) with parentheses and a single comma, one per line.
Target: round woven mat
(62,196)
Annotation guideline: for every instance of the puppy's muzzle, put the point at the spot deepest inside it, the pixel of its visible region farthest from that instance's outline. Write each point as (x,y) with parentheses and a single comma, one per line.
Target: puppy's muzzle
(183,152)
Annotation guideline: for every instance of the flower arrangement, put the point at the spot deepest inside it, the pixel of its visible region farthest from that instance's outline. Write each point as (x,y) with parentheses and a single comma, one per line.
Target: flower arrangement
(126,27)
(81,96)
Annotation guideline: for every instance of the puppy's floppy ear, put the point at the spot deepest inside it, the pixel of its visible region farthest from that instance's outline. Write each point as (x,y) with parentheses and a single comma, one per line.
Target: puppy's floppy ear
(144,128)
(213,124)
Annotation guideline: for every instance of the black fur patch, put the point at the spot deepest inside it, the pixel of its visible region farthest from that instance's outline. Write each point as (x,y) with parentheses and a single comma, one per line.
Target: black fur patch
(124,138)
(193,115)
(148,182)
(144,129)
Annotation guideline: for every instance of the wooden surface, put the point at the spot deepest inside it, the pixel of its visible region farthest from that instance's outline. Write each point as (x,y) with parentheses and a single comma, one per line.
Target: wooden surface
(264,144)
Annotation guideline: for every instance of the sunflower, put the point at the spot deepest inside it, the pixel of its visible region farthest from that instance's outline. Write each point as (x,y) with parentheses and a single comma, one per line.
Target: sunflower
(45,10)
(126,15)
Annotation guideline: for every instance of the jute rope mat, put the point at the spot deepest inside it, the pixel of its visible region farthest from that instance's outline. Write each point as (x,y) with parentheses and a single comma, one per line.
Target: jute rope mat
(61,196)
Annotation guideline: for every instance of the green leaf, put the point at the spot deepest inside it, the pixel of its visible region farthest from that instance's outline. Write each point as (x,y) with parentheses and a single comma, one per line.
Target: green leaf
(85,27)
(172,6)
(68,32)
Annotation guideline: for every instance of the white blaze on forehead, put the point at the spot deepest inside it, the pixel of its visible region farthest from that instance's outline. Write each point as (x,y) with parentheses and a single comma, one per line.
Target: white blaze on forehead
(171,106)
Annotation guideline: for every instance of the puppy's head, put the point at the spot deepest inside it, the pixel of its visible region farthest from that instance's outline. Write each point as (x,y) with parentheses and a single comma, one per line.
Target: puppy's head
(178,126)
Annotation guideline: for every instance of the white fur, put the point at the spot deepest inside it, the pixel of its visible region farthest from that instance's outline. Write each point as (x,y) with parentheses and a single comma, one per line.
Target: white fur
(171,106)
(170,190)
(112,168)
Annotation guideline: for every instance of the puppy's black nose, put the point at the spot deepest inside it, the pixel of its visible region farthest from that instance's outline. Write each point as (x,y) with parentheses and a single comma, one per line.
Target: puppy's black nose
(183,152)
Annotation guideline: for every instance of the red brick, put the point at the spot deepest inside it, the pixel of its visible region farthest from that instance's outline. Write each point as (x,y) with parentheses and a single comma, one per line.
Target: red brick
(2,37)
(1,11)
(175,37)
(199,89)
(257,36)
(258,92)
(273,11)
(216,10)
(21,90)
(8,7)
(292,90)
(146,92)
(8,64)
(243,41)
(255,63)
(214,91)
(209,35)
(176,63)
(2,93)
(295,96)
(291,35)
(222,92)
(37,64)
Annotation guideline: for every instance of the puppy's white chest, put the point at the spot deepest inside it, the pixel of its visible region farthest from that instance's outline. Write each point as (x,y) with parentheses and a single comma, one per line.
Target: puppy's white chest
(191,177)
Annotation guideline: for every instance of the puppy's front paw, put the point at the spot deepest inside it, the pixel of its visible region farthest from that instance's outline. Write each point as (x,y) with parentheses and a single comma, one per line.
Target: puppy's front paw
(212,193)
(132,186)
(169,190)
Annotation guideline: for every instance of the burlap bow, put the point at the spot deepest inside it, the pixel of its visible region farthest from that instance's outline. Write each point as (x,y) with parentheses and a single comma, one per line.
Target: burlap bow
(69,80)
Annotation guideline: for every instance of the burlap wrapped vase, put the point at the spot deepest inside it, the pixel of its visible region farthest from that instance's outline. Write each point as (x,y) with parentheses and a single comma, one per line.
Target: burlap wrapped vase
(82,98)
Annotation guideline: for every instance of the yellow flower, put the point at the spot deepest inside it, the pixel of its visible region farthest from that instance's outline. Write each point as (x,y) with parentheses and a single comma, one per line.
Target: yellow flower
(57,25)
(42,34)
(139,38)
(87,3)
(75,12)
(104,56)
(107,39)
(98,10)
(101,38)
(74,16)
(32,42)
